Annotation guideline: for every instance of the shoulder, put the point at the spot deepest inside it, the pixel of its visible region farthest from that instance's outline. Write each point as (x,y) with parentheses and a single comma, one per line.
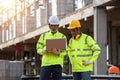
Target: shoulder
(83,34)
(43,34)
(48,32)
(86,35)
(61,34)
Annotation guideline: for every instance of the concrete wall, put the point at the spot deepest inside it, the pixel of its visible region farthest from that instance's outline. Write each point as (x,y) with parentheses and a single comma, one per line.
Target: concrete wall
(4,70)
(11,70)
(16,69)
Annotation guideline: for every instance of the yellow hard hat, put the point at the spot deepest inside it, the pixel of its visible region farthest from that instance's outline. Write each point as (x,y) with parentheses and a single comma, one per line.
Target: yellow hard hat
(74,24)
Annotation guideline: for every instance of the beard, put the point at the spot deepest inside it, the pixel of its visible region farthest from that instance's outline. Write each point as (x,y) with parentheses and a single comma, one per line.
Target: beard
(53,31)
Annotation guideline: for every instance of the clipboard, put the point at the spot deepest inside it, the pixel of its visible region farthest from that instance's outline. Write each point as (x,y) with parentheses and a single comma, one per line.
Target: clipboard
(56,43)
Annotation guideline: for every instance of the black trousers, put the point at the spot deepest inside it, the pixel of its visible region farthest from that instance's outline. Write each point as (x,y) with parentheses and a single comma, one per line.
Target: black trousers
(53,72)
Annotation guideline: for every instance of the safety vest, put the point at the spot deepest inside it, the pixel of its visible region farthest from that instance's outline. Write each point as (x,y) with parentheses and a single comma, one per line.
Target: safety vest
(81,49)
(50,58)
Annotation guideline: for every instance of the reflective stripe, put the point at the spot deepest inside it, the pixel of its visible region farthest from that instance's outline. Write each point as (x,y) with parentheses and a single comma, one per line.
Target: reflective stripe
(70,41)
(43,36)
(83,49)
(67,52)
(62,36)
(96,50)
(69,46)
(87,49)
(91,46)
(78,49)
(73,50)
(38,48)
(40,43)
(73,55)
(95,43)
(86,39)
(82,55)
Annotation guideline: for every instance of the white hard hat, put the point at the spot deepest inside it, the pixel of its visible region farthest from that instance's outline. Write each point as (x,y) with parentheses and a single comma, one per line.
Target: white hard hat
(53,20)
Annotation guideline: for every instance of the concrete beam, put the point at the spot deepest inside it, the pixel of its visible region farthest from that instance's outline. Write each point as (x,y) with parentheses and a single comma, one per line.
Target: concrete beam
(116,23)
(100,2)
(80,14)
(25,37)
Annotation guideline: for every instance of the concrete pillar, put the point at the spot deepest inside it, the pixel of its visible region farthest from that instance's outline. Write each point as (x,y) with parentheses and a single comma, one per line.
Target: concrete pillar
(100,35)
(30,23)
(7,32)
(64,7)
(43,19)
(0,34)
(10,31)
(31,18)
(49,9)
(19,28)
(119,54)
(114,46)
(5,28)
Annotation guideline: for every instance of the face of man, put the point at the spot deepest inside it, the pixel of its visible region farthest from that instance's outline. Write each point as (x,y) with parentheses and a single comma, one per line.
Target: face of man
(53,28)
(75,31)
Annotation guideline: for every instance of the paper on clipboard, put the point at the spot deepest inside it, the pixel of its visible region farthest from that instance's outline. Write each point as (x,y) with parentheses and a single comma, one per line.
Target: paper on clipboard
(55,43)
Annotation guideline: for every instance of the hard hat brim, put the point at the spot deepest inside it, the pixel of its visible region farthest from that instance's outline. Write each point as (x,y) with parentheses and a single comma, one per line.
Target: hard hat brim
(54,23)
(72,27)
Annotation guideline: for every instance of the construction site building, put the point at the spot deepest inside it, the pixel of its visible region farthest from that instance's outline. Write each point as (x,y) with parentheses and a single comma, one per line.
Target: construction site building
(22,24)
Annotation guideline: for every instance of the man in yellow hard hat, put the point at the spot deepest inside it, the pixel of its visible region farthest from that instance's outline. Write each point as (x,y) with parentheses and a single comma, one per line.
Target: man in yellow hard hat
(82,51)
(52,62)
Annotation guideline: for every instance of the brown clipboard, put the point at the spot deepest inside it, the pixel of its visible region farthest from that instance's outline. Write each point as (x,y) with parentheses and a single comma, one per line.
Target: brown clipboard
(55,43)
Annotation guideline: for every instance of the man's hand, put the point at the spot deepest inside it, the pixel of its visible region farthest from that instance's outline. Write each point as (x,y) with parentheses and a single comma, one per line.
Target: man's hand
(44,51)
(86,63)
(56,51)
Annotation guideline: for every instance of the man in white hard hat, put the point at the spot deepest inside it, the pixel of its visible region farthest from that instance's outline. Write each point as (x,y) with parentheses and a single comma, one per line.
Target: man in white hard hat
(53,24)
(52,62)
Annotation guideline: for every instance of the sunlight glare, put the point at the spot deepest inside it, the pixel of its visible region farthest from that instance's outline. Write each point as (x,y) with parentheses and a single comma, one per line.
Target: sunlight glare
(7,3)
